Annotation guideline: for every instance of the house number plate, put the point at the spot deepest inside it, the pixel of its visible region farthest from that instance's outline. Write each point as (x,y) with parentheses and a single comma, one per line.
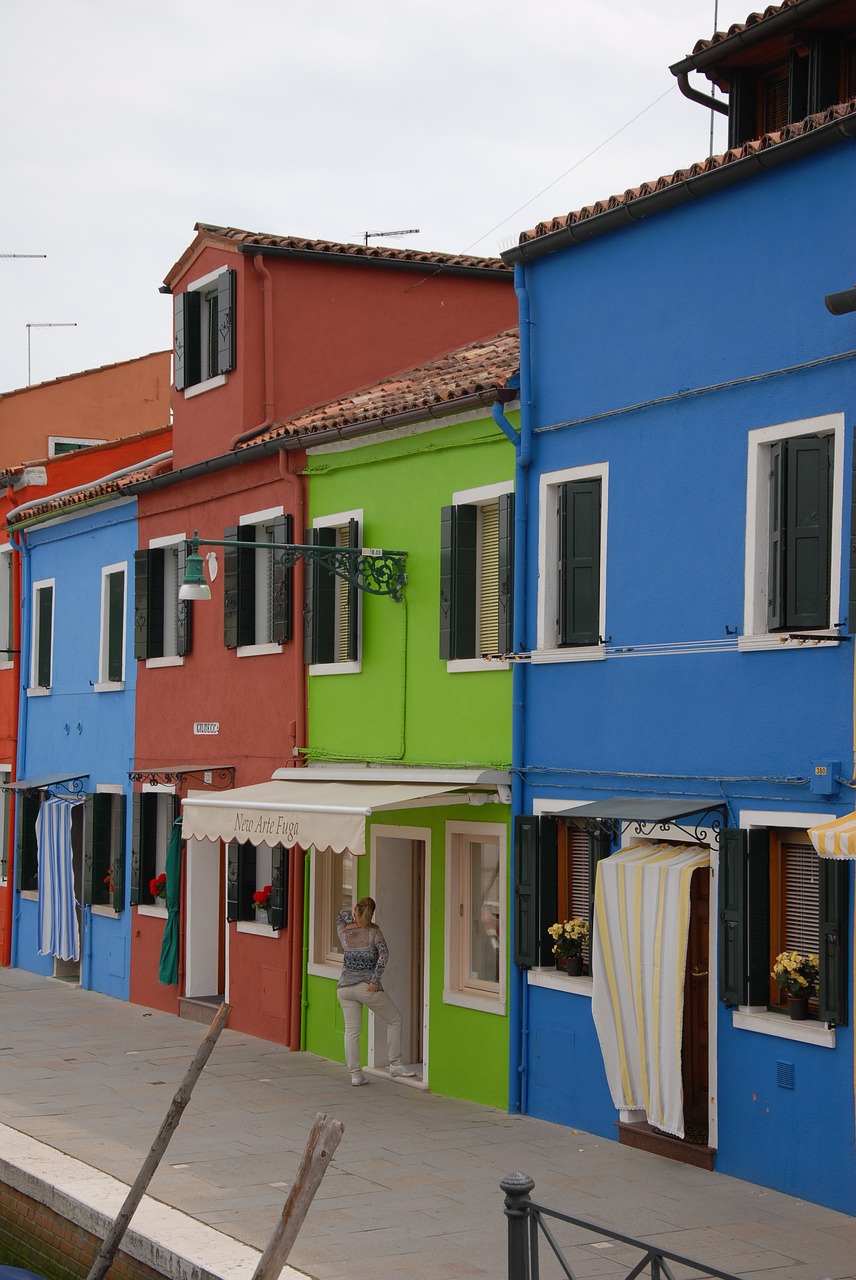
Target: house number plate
(204,728)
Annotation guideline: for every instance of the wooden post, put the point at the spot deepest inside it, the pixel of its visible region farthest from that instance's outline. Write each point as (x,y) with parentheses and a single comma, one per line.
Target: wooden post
(111,1244)
(323,1140)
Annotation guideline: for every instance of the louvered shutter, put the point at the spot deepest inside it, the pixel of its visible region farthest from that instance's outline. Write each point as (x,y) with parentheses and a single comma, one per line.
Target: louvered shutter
(351,594)
(505,600)
(281,602)
(447,519)
(733,978)
(27,808)
(279,888)
(579,562)
(226,321)
(808,531)
(230,588)
(775,570)
(183,608)
(88,848)
(600,847)
(232,860)
(188,332)
(535,888)
(141,604)
(458,581)
(319,614)
(117,851)
(834,899)
(136,846)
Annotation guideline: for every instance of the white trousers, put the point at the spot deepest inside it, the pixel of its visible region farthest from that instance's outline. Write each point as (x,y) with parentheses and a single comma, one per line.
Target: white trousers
(352,1000)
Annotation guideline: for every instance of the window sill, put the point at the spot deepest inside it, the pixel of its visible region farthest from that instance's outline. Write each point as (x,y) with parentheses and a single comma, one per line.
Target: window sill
(476,664)
(174,660)
(30,895)
(6,666)
(335,668)
(110,686)
(102,910)
(555,980)
(766,1023)
(574,653)
(769,640)
(39,691)
(158,913)
(254,926)
(253,650)
(481,1003)
(319,970)
(199,388)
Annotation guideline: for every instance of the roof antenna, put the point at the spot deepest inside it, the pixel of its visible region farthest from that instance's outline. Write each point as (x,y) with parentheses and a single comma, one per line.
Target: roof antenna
(712,85)
(388,235)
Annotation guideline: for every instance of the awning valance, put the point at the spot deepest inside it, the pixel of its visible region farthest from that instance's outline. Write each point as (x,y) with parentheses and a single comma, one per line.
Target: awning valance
(326,815)
(836,839)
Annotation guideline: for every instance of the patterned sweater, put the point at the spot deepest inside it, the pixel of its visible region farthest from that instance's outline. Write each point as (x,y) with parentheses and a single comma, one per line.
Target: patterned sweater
(366,952)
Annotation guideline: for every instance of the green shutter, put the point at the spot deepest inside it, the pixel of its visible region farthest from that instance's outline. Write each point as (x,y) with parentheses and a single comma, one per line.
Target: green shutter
(809,473)
(279,888)
(232,880)
(44,606)
(834,898)
(156,602)
(319,615)
(352,609)
(141,604)
(187,339)
(506,572)
(246,880)
(115,625)
(733,977)
(226,321)
(535,888)
(230,588)
(183,608)
(758,916)
(458,581)
(27,808)
(447,518)
(775,570)
(117,851)
(88,848)
(579,562)
(136,846)
(283,579)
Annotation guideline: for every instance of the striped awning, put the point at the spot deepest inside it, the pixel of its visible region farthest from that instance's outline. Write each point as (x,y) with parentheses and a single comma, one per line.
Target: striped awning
(836,839)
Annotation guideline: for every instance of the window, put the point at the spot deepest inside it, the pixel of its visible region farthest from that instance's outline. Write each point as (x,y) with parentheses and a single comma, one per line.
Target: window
(111,659)
(104,849)
(572,538)
(27,805)
(41,667)
(257,587)
(775,893)
(5,804)
(7,609)
(250,867)
(475,926)
(205,331)
(793,529)
(162,622)
(555,869)
(154,812)
(58,445)
(332,605)
(335,887)
(476,565)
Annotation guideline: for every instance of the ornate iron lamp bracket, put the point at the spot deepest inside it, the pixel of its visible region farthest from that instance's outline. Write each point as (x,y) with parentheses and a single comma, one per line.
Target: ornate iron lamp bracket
(222,776)
(370,569)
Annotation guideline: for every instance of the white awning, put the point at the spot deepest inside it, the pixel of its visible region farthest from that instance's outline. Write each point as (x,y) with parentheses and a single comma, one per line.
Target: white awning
(326,815)
(835,839)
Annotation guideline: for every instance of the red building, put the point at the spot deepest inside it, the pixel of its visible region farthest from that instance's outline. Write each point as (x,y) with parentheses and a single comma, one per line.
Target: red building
(264,326)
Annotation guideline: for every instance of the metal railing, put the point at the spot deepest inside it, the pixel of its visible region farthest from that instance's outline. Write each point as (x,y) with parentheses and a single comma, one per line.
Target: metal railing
(528,1222)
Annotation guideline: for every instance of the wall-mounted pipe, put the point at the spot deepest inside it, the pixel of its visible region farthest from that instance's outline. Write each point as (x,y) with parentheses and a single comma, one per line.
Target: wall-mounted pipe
(695,95)
(24,616)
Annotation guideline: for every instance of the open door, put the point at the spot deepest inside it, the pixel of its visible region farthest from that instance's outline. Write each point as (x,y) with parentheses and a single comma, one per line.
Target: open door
(399,888)
(695,1048)
(204,959)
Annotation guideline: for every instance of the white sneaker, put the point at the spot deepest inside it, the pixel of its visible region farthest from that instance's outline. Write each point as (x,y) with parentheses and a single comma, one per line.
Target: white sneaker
(357,1077)
(399,1069)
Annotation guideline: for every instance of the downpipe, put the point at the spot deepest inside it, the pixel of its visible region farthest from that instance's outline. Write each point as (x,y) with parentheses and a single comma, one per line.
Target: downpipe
(25,616)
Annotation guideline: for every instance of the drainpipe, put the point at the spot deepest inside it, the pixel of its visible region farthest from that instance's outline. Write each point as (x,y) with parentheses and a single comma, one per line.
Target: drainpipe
(23,620)
(267,348)
(518,1005)
(8,913)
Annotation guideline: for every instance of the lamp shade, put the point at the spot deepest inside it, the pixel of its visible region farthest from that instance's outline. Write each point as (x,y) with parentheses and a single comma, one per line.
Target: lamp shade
(194,586)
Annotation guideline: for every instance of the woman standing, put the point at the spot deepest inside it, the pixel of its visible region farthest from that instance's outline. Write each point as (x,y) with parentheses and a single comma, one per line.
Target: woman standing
(365,957)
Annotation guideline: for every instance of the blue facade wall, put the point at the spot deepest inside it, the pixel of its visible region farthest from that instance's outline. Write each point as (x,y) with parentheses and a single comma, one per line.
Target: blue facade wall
(74,728)
(707,309)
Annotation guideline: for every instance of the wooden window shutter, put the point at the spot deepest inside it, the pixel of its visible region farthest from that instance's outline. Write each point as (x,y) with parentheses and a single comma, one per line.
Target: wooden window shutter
(579,562)
(775,569)
(851,612)
(742,108)
(247,585)
(141,604)
(230,589)
(136,846)
(279,888)
(834,900)
(45,637)
(188,355)
(798,107)
(115,625)
(183,608)
(488,579)
(27,808)
(283,579)
(226,321)
(319,610)
(535,888)
(506,573)
(88,848)
(246,880)
(824,73)
(117,851)
(352,596)
(807,553)
(156,603)
(849,71)
(447,516)
(458,581)
(758,916)
(733,977)
(232,858)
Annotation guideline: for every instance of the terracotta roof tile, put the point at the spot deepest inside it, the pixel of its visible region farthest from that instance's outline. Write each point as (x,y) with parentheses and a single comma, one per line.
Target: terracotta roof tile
(480,368)
(81,373)
(67,502)
(736,27)
(732,156)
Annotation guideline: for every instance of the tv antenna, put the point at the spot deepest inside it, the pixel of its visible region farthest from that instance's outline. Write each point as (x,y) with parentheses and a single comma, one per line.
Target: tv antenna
(23,255)
(388,235)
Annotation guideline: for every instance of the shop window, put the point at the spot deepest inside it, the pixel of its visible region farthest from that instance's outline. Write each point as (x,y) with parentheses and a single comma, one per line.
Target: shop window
(250,868)
(476,565)
(205,332)
(111,657)
(257,592)
(475,924)
(335,887)
(104,850)
(162,622)
(332,605)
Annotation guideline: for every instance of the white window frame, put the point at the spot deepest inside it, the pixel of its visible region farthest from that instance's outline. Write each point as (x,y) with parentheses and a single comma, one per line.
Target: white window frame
(170,659)
(485,997)
(204,286)
(483,496)
(550,482)
(103,684)
(82,442)
(264,855)
(5,810)
(322,961)
(340,520)
(265,646)
(7,630)
(757,550)
(35,690)
(161,846)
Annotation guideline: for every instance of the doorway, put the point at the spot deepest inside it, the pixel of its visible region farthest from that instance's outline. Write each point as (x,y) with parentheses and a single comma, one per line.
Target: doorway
(400,888)
(695,1046)
(204,972)
(69,970)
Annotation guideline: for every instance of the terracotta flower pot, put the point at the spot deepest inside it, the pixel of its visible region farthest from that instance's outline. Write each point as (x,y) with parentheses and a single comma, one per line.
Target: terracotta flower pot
(798,1008)
(574,966)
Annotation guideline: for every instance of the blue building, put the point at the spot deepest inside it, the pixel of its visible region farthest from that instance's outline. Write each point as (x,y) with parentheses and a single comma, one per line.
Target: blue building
(684,706)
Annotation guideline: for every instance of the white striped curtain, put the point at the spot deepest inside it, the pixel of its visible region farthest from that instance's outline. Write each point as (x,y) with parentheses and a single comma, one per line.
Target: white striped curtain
(59,934)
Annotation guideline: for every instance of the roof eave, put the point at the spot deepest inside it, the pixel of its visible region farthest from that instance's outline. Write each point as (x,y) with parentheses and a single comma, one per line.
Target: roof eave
(723,50)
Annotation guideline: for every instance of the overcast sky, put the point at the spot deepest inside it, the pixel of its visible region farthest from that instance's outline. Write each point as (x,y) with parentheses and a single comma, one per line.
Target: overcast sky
(125,122)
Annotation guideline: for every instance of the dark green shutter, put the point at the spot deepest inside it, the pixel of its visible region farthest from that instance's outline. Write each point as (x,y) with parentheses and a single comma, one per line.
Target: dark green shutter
(535,888)
(45,637)
(279,887)
(834,899)
(115,625)
(141,604)
(187,339)
(353,599)
(283,579)
(506,572)
(230,588)
(117,851)
(240,881)
(88,848)
(136,846)
(744,915)
(226,321)
(758,916)
(27,808)
(232,880)
(808,531)
(156,602)
(775,571)
(458,581)
(184,608)
(579,562)
(319,615)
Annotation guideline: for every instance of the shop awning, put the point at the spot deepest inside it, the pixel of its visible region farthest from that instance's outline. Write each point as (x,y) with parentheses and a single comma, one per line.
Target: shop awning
(326,815)
(836,839)
(45,782)
(643,809)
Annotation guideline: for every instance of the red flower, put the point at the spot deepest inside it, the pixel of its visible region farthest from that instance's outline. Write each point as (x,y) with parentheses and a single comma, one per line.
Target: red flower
(261,897)
(157,887)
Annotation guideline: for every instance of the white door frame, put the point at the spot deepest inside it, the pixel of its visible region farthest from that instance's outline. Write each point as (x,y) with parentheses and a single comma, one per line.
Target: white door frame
(202,941)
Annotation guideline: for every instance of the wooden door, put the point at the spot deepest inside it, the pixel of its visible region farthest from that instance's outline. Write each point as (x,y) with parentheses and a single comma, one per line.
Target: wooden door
(696,1036)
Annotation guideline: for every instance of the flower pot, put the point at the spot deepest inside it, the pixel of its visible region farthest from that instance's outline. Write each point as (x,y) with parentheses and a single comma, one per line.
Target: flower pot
(262,915)
(798,1008)
(574,966)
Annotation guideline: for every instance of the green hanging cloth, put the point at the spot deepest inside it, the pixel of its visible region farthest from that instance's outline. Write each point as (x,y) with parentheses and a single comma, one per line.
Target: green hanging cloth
(168,966)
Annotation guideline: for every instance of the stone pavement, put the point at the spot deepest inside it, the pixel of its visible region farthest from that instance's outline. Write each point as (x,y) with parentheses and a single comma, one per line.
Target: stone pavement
(413,1189)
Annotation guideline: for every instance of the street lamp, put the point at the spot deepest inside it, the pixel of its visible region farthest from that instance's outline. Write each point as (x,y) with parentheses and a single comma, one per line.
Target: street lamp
(369,569)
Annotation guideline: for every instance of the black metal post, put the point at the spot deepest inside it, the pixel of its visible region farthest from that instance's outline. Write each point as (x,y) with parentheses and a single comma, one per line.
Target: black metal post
(517,1187)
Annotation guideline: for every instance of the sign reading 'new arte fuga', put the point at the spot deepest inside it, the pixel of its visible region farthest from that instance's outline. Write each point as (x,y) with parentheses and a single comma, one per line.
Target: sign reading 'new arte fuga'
(284,830)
